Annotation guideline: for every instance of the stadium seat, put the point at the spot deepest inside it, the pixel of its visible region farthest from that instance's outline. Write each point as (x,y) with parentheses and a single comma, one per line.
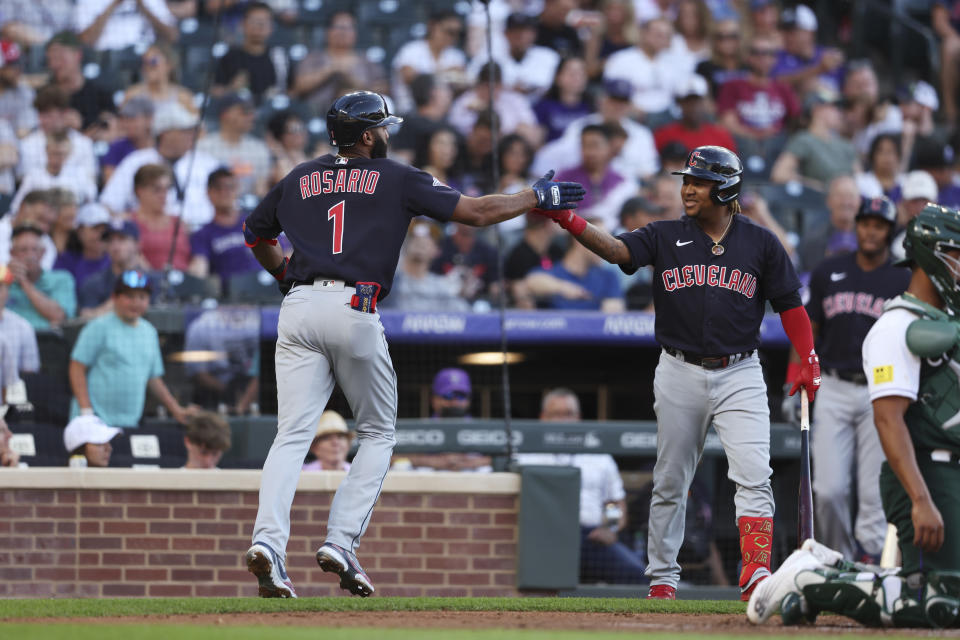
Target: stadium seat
(796,207)
(184,287)
(256,287)
(40,444)
(154,443)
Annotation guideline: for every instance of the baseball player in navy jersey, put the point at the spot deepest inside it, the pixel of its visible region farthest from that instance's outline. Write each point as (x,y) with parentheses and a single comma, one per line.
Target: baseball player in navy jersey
(346,216)
(713,272)
(847,294)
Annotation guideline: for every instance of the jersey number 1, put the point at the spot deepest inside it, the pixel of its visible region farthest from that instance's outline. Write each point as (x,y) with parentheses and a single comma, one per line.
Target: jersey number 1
(336,214)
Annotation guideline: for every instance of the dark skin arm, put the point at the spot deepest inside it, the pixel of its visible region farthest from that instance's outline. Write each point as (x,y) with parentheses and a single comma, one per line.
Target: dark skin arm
(888,415)
(611,249)
(268,255)
(487,210)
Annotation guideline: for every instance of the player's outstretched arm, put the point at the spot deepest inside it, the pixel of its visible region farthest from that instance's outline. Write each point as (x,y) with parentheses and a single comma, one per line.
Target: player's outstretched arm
(611,249)
(544,194)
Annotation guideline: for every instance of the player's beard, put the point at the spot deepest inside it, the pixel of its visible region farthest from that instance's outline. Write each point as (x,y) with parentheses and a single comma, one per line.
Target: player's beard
(379,149)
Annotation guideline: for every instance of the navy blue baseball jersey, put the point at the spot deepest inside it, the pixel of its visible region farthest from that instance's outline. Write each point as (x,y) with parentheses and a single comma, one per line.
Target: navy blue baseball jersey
(708,304)
(347,217)
(845,301)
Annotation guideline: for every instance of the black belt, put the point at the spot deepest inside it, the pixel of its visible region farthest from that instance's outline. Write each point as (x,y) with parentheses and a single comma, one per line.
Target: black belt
(856,377)
(708,362)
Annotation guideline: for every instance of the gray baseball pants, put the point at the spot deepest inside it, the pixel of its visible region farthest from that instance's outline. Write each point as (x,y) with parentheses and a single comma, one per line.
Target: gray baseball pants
(320,341)
(687,400)
(844,442)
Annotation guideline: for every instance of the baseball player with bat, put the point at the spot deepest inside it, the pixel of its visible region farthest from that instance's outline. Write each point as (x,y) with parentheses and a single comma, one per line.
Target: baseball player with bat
(846,296)
(911,358)
(346,215)
(714,270)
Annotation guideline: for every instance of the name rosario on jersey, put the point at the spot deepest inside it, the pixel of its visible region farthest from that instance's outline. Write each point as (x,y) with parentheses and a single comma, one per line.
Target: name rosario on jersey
(346,181)
(712,276)
(851,302)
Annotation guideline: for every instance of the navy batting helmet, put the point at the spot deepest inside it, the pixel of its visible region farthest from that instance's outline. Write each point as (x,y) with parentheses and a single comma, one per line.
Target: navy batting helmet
(719,165)
(881,207)
(354,113)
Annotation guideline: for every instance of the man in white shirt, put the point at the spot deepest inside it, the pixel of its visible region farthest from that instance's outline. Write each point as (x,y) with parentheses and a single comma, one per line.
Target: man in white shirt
(638,157)
(247,157)
(653,71)
(436,54)
(52,105)
(118,24)
(602,557)
(57,173)
(527,68)
(173,128)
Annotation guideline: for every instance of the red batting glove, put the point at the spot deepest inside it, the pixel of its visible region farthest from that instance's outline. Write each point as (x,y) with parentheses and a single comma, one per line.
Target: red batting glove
(566,218)
(808,377)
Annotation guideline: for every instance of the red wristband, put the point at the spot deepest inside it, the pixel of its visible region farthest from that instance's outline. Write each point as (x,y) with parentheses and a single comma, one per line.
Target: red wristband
(573,223)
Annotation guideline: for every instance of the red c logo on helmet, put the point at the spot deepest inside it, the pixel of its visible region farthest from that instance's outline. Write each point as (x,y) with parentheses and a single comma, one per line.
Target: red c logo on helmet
(694,157)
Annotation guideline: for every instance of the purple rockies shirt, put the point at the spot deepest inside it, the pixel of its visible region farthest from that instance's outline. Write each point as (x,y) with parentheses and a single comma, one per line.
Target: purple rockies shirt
(224,249)
(79,267)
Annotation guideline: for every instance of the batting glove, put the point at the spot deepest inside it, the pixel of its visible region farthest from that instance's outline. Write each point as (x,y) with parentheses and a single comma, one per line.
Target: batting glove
(555,196)
(809,376)
(566,219)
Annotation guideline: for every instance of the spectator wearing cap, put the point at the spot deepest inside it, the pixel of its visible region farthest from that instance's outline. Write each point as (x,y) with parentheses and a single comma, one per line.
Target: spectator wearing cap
(726,55)
(57,173)
(135,121)
(217,247)
(89,437)
(652,69)
(917,110)
(18,340)
(436,54)
(331,444)
(419,289)
(89,100)
(173,129)
(95,296)
(535,250)
(30,23)
(206,438)
(86,252)
(757,109)
(44,298)
(945,21)
(432,100)
(884,175)
(637,157)
(325,74)
(566,100)
(513,110)
(252,67)
(607,189)
(110,25)
(248,157)
(693,129)
(159,78)
(528,68)
(938,159)
(117,358)
(555,32)
(819,153)
(53,109)
(161,238)
(803,64)
(16,95)
(919,189)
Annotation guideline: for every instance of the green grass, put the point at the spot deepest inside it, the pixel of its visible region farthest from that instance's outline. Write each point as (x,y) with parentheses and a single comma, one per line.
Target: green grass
(94,608)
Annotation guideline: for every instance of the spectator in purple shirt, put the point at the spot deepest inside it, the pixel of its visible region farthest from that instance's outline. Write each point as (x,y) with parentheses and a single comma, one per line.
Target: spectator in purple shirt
(566,99)
(217,247)
(136,119)
(86,252)
(803,64)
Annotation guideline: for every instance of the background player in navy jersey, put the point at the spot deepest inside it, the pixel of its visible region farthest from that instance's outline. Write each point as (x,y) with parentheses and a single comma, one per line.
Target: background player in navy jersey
(713,272)
(346,216)
(847,294)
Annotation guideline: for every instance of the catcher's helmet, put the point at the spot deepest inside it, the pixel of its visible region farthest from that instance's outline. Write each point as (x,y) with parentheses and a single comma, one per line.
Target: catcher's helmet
(719,165)
(881,207)
(929,235)
(352,114)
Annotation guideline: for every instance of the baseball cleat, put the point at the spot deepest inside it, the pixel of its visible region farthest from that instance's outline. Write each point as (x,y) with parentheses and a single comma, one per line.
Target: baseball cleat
(264,564)
(768,594)
(761,574)
(824,554)
(662,592)
(336,559)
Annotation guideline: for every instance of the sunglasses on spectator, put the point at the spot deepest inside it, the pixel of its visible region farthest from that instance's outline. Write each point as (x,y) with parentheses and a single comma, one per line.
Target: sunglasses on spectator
(134,279)
(455,395)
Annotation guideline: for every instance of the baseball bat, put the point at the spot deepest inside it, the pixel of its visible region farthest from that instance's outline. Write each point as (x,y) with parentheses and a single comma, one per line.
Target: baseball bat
(805,499)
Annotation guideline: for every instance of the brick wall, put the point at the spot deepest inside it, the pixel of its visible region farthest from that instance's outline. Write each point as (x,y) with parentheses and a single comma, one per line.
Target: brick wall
(181,533)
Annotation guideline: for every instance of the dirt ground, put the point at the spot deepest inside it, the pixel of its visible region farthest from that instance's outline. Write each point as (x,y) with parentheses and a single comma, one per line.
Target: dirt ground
(628,622)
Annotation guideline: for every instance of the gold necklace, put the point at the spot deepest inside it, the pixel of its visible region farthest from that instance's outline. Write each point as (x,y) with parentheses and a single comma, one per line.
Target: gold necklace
(717,248)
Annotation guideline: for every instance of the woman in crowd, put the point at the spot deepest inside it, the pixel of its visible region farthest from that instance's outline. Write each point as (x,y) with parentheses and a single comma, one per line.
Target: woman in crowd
(566,99)
(287,138)
(86,251)
(437,155)
(691,37)
(884,163)
(726,56)
(158,79)
(618,31)
(151,184)
(331,444)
